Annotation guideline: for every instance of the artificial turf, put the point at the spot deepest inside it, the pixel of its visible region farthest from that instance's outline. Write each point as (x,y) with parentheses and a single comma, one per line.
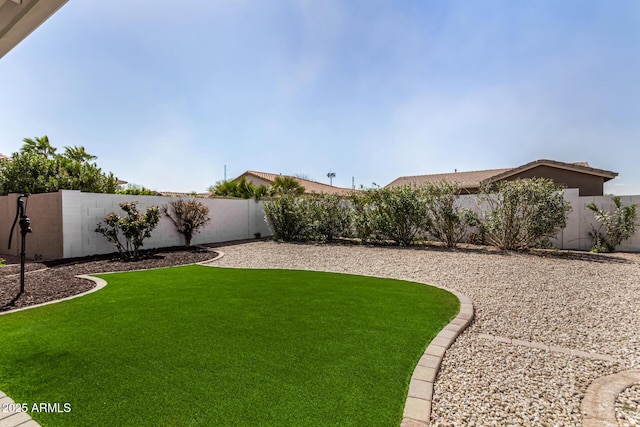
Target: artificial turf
(207,346)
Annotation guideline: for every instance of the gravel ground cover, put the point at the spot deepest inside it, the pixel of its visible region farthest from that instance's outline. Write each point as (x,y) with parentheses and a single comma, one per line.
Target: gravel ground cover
(581,301)
(628,407)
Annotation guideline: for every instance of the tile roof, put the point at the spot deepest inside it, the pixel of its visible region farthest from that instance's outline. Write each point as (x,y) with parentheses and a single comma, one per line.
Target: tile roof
(309,186)
(474,179)
(465,179)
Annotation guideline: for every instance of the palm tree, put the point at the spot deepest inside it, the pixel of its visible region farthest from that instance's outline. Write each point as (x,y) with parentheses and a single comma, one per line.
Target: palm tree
(78,153)
(287,185)
(240,188)
(39,146)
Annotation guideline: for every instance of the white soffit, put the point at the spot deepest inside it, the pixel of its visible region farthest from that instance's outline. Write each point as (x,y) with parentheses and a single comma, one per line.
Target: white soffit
(18,19)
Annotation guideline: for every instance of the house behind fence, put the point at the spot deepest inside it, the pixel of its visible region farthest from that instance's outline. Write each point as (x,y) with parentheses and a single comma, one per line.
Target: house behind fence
(64,223)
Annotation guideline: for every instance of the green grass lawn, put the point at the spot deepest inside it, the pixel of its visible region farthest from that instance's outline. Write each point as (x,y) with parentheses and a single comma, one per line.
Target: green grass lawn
(209,346)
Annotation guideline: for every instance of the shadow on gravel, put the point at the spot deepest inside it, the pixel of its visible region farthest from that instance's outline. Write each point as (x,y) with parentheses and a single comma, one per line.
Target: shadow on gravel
(581,256)
(483,250)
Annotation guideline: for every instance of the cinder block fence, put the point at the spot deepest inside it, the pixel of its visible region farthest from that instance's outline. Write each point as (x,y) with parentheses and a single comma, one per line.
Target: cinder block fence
(580,220)
(64,223)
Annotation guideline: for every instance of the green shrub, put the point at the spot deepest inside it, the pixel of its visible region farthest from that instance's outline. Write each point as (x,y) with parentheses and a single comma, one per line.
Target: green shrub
(618,226)
(188,216)
(135,190)
(448,222)
(362,215)
(523,213)
(289,218)
(132,229)
(397,213)
(329,217)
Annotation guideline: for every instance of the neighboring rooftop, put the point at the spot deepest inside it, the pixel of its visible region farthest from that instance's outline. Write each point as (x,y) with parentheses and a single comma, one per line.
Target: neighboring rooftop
(470,179)
(579,175)
(313,187)
(580,167)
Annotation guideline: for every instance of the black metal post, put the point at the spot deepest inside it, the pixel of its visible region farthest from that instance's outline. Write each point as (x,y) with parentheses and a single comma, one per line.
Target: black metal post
(25,228)
(23,254)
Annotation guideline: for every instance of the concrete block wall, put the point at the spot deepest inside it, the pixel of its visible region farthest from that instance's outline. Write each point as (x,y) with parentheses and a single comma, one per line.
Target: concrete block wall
(64,222)
(81,212)
(579,221)
(582,220)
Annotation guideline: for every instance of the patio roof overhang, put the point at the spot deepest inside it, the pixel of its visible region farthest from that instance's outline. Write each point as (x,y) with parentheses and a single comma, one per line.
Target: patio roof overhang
(19,18)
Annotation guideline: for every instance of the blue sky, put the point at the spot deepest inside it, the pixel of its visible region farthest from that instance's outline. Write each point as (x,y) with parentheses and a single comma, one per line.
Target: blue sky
(166,93)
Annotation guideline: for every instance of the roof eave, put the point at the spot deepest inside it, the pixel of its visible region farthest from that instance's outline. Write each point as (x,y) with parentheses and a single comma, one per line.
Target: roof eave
(607,175)
(18,20)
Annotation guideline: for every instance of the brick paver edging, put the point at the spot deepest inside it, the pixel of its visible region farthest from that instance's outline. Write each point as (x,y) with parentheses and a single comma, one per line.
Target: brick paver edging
(598,404)
(23,419)
(101,284)
(417,408)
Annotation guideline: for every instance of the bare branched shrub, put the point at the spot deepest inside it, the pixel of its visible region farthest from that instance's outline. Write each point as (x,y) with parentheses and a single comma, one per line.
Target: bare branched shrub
(189,216)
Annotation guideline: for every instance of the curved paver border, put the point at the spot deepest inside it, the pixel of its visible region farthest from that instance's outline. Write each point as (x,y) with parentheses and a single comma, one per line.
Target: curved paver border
(598,404)
(23,419)
(101,284)
(417,408)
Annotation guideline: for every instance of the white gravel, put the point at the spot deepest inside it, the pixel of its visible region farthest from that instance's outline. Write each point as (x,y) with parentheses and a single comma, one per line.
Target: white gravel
(582,301)
(628,407)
